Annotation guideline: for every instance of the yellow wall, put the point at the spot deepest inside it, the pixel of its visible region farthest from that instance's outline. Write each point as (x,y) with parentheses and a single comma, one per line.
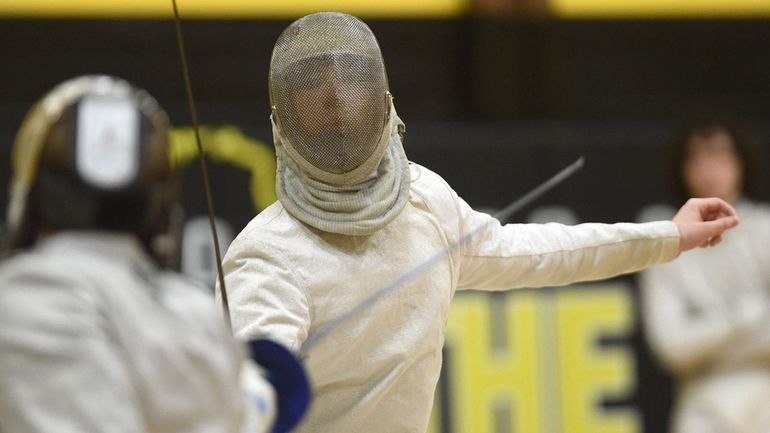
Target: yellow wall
(660,8)
(282,9)
(230,8)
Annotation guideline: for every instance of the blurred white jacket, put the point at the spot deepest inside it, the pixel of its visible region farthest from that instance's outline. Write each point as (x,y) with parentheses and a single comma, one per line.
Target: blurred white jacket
(377,373)
(706,317)
(94,338)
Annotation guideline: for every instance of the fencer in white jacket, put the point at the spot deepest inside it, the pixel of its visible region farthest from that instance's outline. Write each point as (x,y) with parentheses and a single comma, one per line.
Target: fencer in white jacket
(95,336)
(354,214)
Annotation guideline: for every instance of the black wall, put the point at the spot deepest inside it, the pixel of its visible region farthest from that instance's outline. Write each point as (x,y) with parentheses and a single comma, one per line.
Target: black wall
(493,106)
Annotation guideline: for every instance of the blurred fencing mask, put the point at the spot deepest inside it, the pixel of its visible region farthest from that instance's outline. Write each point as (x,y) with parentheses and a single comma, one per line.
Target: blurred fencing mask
(92,154)
(341,165)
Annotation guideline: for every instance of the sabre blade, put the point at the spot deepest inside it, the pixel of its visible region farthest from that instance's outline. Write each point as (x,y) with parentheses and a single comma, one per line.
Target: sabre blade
(203,167)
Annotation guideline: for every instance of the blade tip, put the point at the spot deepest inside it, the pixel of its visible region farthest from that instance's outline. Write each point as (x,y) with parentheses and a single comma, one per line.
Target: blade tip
(580,162)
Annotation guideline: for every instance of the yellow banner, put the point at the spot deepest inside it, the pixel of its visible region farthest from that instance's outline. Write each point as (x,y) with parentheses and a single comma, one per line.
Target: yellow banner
(660,8)
(531,361)
(231,9)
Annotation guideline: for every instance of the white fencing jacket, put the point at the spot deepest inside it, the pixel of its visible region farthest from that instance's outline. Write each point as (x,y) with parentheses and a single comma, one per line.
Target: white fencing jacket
(707,317)
(94,338)
(377,373)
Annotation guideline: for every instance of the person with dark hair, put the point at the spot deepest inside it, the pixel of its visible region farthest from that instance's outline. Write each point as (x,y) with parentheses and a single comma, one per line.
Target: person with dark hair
(707,315)
(97,334)
(709,137)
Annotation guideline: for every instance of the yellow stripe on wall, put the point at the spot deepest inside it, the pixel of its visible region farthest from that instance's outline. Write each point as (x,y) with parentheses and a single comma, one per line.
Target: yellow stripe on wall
(230,8)
(660,8)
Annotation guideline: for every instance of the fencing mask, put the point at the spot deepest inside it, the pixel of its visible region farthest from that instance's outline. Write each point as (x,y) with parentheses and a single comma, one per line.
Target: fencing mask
(92,154)
(342,168)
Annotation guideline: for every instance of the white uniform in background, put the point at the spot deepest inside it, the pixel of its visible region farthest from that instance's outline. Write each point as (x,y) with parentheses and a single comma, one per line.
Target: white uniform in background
(95,338)
(378,372)
(707,318)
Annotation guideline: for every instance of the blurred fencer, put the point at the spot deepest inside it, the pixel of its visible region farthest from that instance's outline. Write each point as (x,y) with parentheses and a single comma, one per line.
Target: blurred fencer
(354,214)
(96,334)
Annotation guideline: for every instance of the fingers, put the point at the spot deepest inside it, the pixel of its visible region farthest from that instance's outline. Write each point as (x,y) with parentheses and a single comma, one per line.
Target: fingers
(714,229)
(697,233)
(705,209)
(723,223)
(711,242)
(717,226)
(701,222)
(712,208)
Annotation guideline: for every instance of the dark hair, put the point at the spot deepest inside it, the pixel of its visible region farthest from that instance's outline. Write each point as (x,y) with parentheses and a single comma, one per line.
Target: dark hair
(706,124)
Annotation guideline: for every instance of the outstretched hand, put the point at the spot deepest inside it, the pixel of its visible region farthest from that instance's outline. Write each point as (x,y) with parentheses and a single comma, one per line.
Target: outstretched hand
(701,222)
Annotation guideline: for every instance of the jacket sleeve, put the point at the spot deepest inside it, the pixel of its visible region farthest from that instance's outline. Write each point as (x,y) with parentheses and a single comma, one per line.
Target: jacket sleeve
(61,372)
(267,298)
(534,255)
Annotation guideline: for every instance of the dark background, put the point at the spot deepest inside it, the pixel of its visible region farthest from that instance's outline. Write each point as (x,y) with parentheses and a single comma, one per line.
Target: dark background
(494,106)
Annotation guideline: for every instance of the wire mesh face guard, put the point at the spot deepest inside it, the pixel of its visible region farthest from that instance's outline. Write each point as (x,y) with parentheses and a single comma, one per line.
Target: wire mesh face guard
(329,94)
